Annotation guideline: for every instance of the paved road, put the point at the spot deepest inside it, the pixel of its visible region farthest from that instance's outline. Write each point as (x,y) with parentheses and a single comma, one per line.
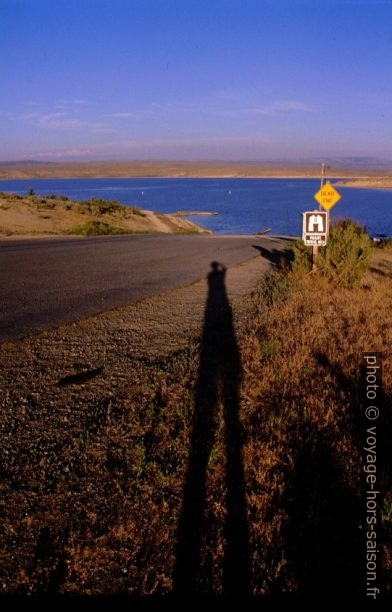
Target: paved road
(47,282)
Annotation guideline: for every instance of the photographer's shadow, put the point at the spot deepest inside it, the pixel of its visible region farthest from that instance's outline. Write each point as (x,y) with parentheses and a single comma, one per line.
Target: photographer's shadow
(218,384)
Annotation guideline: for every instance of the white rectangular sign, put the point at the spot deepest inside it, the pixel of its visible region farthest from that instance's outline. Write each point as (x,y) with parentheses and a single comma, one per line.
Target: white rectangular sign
(315,228)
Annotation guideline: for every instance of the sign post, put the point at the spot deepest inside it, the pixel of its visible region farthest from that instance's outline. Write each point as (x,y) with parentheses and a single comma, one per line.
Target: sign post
(315,246)
(315,223)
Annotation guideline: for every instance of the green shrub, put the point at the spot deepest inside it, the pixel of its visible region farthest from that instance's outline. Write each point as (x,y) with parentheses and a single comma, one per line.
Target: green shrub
(11,196)
(344,260)
(135,211)
(301,257)
(347,255)
(97,207)
(274,287)
(97,228)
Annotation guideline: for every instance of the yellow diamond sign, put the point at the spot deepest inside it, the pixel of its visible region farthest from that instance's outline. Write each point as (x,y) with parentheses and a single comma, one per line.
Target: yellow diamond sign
(327,196)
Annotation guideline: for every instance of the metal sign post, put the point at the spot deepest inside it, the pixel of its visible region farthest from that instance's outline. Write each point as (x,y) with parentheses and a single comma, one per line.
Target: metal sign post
(315,246)
(315,223)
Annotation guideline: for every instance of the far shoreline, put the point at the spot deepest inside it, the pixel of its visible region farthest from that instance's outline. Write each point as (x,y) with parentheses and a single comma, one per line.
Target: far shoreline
(183,170)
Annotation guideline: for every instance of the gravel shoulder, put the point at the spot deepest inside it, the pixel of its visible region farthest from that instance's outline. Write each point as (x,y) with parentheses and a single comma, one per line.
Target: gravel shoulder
(102,348)
(61,393)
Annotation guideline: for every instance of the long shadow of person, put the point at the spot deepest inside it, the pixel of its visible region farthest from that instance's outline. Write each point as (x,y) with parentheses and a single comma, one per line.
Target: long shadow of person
(218,383)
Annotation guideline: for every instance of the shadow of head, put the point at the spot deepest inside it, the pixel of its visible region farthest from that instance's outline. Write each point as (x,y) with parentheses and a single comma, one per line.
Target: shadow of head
(217,310)
(216,276)
(217,268)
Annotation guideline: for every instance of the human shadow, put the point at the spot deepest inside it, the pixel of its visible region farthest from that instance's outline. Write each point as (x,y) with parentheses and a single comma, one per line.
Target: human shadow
(218,384)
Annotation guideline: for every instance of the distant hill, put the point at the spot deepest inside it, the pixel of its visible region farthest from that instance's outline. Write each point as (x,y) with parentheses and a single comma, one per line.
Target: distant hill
(359,162)
(27,162)
(354,162)
(337,167)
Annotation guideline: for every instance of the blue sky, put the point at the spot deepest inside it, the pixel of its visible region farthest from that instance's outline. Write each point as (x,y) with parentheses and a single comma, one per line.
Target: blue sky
(195,79)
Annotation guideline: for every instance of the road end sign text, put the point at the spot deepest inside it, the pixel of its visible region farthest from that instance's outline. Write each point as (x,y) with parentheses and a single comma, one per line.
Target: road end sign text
(327,196)
(314,228)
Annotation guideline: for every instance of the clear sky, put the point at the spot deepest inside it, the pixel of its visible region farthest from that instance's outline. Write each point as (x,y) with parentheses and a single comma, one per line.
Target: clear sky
(195,79)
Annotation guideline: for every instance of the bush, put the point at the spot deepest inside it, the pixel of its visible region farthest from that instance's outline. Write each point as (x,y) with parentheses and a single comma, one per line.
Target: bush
(96,206)
(347,255)
(344,260)
(97,228)
(11,196)
(302,257)
(135,211)
(274,287)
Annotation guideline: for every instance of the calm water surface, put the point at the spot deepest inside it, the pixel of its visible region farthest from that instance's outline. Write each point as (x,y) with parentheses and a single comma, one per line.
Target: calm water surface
(245,206)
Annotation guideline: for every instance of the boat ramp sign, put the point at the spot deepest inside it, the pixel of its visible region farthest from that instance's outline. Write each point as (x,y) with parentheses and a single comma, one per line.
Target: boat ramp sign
(315,228)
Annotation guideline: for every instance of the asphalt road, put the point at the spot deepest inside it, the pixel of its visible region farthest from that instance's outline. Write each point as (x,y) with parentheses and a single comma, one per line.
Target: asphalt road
(46,282)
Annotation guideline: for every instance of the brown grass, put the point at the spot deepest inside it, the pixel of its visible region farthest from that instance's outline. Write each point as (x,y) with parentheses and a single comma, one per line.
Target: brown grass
(92,491)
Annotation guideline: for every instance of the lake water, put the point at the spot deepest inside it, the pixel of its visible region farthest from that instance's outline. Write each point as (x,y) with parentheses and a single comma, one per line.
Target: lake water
(244,206)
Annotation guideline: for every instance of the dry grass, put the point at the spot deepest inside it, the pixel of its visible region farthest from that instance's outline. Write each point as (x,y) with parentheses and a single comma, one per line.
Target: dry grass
(92,490)
(306,404)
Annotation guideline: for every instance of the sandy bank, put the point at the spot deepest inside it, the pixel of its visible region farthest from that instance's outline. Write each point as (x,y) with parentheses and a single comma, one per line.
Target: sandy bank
(38,216)
(367,183)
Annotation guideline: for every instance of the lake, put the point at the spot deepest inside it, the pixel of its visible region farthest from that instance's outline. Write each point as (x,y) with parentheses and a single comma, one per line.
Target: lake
(244,206)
